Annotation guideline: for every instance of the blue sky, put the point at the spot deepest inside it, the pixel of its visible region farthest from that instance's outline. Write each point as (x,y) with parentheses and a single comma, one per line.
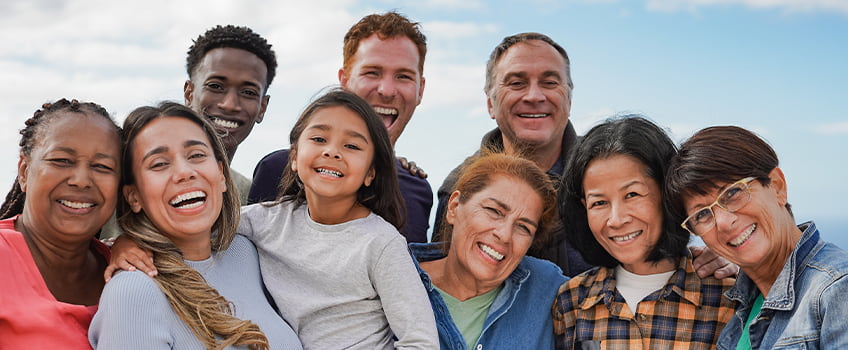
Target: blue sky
(777,67)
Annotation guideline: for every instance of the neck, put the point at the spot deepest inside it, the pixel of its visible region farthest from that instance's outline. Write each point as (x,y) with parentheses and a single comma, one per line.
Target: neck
(645,268)
(196,250)
(764,274)
(49,252)
(329,211)
(450,277)
(545,156)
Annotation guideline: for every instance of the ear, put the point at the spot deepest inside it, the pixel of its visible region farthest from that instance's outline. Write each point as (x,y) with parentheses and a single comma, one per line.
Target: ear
(342,78)
(188,92)
(369,177)
(453,203)
(23,166)
(262,108)
(778,185)
(223,178)
(421,90)
(293,160)
(132,197)
(489,106)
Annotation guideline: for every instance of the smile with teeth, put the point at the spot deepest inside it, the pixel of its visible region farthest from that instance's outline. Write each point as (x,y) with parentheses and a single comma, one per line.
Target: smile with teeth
(491,252)
(743,237)
(188,200)
(537,115)
(329,172)
(384,110)
(627,237)
(75,205)
(227,124)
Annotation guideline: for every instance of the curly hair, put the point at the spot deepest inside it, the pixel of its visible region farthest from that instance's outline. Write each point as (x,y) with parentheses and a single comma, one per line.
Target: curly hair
(388,25)
(234,37)
(40,120)
(200,306)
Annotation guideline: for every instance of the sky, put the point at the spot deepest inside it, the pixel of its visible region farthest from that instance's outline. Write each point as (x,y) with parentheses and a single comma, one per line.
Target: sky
(777,67)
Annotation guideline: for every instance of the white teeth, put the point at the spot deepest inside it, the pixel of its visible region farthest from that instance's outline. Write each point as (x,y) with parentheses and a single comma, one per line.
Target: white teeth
(627,237)
(491,252)
(743,237)
(75,205)
(329,172)
(383,110)
(538,115)
(224,123)
(187,196)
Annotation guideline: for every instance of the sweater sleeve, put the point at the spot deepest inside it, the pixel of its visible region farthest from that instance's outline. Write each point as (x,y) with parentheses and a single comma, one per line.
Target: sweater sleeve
(132,314)
(404,299)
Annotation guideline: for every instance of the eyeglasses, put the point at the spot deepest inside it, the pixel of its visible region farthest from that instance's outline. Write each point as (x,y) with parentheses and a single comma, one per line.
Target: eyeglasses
(731,199)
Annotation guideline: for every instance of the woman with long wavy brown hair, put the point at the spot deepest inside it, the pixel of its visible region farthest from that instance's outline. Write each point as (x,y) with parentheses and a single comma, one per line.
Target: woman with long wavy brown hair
(177,205)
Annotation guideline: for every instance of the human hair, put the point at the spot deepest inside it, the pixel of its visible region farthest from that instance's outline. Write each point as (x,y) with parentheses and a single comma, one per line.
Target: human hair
(30,138)
(511,40)
(200,306)
(388,25)
(383,195)
(477,174)
(235,37)
(713,157)
(631,135)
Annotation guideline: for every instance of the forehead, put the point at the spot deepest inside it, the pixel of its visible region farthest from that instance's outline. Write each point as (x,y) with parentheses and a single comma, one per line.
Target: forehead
(397,52)
(339,118)
(66,127)
(232,63)
(531,56)
(167,131)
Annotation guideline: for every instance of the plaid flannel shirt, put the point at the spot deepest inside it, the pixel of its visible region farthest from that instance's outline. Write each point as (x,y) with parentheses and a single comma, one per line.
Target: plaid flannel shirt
(687,313)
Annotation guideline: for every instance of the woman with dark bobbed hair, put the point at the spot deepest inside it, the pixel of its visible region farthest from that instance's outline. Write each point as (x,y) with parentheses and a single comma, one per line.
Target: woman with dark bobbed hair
(645,291)
(726,187)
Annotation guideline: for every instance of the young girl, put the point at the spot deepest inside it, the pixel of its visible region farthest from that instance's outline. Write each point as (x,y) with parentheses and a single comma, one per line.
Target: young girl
(329,248)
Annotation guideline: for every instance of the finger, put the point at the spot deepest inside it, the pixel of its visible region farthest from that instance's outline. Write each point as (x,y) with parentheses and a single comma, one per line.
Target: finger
(403,162)
(107,274)
(730,270)
(422,174)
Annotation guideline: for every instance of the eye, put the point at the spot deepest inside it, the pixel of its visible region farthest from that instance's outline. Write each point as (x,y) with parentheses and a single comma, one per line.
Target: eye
(493,211)
(597,203)
(214,86)
(158,165)
(525,229)
(702,215)
(197,155)
(102,168)
(631,195)
(731,193)
(61,162)
(353,147)
(405,76)
(318,139)
(516,84)
(371,73)
(250,93)
(550,84)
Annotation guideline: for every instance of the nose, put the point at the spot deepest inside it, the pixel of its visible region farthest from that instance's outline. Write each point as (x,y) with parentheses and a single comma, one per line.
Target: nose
(386,87)
(230,101)
(332,152)
(503,232)
(724,219)
(535,93)
(619,216)
(80,177)
(183,171)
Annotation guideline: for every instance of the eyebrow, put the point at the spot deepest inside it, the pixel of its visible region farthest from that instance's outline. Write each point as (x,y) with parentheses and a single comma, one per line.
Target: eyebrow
(523,75)
(351,133)
(626,186)
(163,149)
(508,208)
(224,78)
(380,67)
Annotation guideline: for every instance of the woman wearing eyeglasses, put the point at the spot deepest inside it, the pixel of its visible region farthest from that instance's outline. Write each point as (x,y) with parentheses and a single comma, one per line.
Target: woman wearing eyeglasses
(726,187)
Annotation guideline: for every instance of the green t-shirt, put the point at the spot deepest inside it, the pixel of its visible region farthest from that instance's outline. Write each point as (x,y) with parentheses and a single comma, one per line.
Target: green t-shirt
(745,340)
(470,315)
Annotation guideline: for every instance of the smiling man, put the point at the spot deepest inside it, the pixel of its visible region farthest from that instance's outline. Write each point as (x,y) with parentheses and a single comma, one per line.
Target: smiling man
(229,70)
(383,64)
(528,93)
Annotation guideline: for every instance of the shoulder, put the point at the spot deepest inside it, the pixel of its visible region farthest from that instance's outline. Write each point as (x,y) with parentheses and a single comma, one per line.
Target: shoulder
(275,156)
(543,271)
(132,290)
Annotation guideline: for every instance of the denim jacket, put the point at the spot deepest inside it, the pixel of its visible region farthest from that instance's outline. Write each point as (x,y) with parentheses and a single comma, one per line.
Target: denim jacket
(520,316)
(807,305)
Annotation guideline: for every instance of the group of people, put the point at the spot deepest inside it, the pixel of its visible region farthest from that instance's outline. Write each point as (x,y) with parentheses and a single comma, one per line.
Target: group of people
(541,239)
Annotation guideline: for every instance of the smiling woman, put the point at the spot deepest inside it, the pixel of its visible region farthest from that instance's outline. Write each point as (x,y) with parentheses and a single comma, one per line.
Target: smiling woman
(208,293)
(65,191)
(483,289)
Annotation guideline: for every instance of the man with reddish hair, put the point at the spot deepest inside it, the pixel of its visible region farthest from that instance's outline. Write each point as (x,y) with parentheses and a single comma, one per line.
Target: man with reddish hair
(383,64)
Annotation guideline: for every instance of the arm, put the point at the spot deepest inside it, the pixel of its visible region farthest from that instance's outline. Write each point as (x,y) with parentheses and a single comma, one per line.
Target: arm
(404,299)
(126,255)
(834,305)
(133,314)
(708,263)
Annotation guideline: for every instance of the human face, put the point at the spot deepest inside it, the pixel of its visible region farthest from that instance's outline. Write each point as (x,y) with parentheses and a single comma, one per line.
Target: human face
(624,210)
(385,74)
(228,87)
(71,176)
(493,229)
(755,235)
(334,155)
(530,98)
(179,184)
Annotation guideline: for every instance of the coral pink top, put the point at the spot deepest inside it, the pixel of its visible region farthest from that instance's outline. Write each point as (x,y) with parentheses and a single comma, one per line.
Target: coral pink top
(30,317)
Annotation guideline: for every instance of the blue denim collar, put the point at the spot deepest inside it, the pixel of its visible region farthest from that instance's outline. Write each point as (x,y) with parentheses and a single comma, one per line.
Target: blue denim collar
(782,293)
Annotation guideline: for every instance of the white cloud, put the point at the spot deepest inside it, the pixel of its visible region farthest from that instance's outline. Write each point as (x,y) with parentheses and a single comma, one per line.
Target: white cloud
(829,129)
(789,6)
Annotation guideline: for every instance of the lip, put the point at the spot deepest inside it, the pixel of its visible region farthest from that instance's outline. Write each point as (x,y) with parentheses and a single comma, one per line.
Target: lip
(192,210)
(743,237)
(63,201)
(217,120)
(486,256)
(388,118)
(533,115)
(626,238)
